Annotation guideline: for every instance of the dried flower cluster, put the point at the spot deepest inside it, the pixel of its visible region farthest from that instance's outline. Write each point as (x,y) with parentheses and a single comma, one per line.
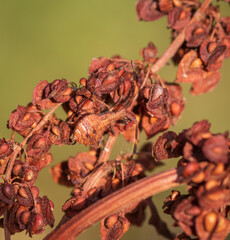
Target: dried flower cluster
(125,97)
(205,163)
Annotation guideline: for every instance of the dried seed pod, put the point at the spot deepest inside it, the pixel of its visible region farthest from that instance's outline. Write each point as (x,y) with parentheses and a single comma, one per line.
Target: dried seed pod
(7,193)
(58,90)
(147,10)
(38,145)
(149,53)
(178,18)
(162,148)
(216,149)
(6,148)
(36,224)
(23,119)
(47,210)
(114,227)
(80,165)
(24,197)
(211,225)
(38,96)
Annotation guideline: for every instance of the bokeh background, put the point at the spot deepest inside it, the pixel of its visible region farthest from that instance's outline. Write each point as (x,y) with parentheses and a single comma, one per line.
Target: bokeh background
(46,40)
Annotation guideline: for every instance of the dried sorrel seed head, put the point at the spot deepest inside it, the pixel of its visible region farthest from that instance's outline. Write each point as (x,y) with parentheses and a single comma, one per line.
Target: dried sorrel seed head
(114,226)
(149,53)
(6,148)
(23,119)
(58,90)
(7,193)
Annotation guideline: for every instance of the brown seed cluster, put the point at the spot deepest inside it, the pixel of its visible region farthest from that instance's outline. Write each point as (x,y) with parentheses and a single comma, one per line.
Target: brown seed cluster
(207,41)
(205,167)
(126,97)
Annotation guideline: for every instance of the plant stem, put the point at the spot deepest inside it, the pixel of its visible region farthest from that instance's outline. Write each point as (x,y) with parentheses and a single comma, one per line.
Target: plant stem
(122,198)
(178,41)
(5,223)
(105,153)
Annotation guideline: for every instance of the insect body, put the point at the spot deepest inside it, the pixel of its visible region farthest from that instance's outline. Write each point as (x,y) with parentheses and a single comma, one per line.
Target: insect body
(89,129)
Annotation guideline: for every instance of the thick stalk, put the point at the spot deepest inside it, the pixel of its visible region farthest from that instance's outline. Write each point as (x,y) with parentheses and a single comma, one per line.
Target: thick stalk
(122,198)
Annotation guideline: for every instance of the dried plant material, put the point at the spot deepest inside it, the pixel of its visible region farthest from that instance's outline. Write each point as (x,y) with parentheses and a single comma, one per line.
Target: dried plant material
(149,53)
(196,33)
(178,18)
(6,148)
(38,96)
(41,162)
(147,10)
(122,96)
(58,90)
(190,71)
(60,173)
(80,165)
(114,227)
(162,148)
(216,149)
(38,145)
(211,225)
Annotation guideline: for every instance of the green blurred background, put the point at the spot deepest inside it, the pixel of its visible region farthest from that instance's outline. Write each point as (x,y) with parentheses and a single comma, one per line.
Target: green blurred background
(46,40)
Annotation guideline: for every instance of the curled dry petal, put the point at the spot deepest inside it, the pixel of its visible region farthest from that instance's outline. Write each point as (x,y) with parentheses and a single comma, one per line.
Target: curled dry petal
(190,71)
(216,149)
(211,225)
(147,10)
(7,193)
(60,173)
(39,98)
(114,227)
(211,50)
(47,210)
(6,148)
(36,224)
(23,119)
(149,53)
(176,101)
(162,148)
(196,33)
(152,125)
(158,97)
(215,198)
(178,18)
(60,134)
(80,165)
(58,90)
(24,197)
(165,5)
(38,145)
(198,132)
(40,162)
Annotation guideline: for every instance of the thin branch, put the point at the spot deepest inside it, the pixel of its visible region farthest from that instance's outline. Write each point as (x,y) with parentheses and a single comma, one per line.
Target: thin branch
(122,198)
(19,147)
(178,41)
(105,153)
(5,223)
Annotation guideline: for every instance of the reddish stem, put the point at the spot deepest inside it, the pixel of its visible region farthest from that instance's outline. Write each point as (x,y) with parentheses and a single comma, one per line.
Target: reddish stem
(5,223)
(105,153)
(122,198)
(178,41)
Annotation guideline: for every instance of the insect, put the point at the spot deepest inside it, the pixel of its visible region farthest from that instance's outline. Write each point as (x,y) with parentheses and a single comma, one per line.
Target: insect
(89,129)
